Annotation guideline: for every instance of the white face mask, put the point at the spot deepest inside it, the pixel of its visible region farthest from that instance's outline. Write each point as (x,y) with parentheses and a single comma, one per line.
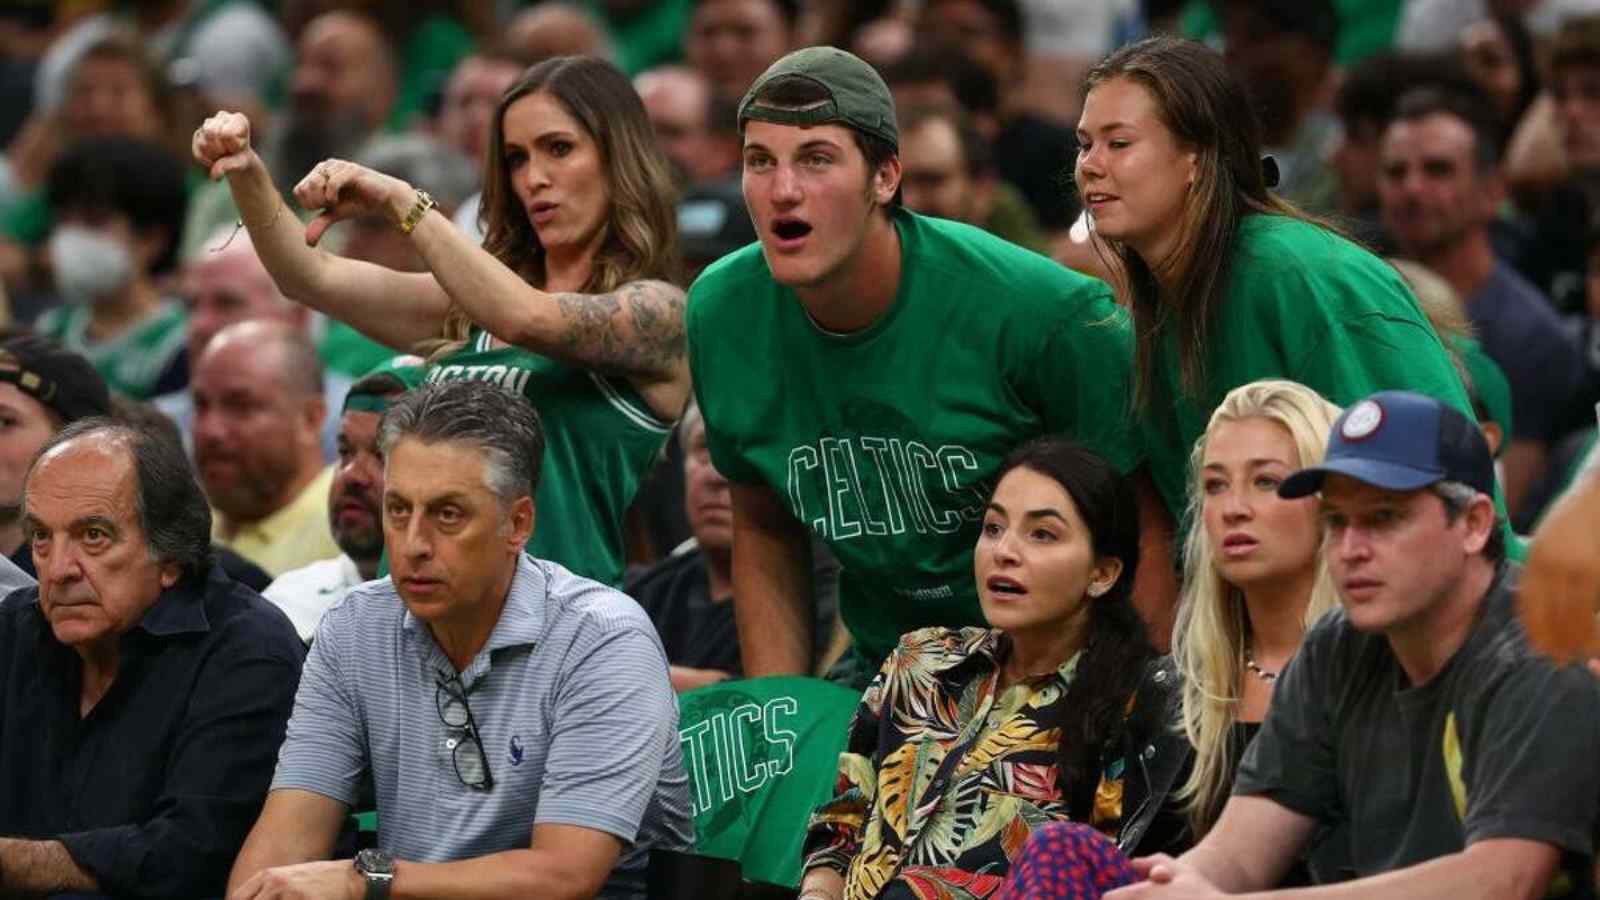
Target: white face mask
(89,266)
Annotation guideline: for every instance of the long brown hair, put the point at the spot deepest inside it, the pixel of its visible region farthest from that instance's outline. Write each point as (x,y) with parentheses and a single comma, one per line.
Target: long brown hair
(1208,112)
(641,231)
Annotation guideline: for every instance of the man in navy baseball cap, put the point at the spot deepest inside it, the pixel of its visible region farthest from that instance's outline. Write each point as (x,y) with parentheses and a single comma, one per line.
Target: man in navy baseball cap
(1417,709)
(1401,441)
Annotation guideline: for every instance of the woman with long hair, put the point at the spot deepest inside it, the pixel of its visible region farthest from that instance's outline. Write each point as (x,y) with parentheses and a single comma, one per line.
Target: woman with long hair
(1059,710)
(569,301)
(1255,582)
(1227,283)
(1255,577)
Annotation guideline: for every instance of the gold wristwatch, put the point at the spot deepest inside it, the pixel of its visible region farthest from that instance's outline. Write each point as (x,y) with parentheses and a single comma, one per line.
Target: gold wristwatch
(418,210)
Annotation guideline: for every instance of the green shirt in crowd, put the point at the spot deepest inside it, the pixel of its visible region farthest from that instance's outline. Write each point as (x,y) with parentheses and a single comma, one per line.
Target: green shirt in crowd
(648,36)
(349,352)
(26,220)
(1489,384)
(885,442)
(1305,304)
(600,440)
(145,360)
(1366,27)
(428,54)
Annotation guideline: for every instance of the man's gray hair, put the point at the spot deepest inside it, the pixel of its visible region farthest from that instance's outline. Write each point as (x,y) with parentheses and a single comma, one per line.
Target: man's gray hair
(488,418)
(1457,497)
(168,500)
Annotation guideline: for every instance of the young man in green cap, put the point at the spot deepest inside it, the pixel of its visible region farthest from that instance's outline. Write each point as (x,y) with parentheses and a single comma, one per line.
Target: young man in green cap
(864,370)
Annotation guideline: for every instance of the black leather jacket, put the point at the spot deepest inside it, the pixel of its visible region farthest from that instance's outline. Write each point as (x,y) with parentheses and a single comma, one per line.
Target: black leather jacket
(1157,760)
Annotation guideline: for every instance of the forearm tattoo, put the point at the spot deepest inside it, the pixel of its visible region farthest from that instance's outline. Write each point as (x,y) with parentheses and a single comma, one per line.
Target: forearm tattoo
(636,329)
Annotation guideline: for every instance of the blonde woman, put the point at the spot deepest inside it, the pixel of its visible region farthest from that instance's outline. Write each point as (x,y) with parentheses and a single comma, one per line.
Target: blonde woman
(1256,577)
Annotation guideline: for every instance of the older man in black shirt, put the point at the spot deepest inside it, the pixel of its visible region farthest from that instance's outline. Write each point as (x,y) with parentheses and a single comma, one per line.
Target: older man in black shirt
(687,594)
(143,694)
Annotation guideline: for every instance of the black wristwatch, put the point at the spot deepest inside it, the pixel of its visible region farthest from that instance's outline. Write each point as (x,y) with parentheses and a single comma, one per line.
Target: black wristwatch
(377,868)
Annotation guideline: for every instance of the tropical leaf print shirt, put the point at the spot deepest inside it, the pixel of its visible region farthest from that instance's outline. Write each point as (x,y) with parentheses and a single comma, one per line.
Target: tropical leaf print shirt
(943,776)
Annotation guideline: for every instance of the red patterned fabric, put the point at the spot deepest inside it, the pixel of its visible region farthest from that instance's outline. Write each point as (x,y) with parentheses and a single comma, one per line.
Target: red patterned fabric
(1066,861)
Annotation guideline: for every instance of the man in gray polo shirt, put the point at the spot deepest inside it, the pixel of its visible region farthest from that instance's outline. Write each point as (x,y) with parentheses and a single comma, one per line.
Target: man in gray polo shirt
(517,720)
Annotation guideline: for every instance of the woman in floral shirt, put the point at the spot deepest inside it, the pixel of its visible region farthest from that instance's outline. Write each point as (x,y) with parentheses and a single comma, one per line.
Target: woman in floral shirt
(968,739)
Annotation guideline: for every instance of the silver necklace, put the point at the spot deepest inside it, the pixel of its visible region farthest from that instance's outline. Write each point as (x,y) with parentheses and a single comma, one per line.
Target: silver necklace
(1255,669)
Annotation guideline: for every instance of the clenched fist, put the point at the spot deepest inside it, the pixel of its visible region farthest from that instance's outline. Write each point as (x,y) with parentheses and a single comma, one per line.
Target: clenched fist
(345,190)
(222,143)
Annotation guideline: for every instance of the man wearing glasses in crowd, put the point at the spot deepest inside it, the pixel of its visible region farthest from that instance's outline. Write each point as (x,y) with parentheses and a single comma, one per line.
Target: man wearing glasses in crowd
(500,697)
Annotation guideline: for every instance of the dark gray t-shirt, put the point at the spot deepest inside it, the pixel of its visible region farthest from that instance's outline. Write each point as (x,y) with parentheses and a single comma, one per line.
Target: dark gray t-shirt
(1498,744)
(1521,331)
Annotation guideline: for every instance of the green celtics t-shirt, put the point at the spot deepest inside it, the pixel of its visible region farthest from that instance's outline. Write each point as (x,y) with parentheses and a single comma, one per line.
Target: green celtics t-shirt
(885,442)
(145,360)
(1304,304)
(600,441)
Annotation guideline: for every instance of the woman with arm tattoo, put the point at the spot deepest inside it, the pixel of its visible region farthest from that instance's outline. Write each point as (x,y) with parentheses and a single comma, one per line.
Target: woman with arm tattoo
(569,301)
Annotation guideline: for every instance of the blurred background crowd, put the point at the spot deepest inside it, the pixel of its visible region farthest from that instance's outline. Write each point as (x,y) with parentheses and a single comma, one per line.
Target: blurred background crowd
(1463,135)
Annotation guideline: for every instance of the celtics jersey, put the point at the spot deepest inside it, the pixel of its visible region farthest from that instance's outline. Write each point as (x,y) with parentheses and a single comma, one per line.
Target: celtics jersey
(600,440)
(885,442)
(1305,304)
(145,360)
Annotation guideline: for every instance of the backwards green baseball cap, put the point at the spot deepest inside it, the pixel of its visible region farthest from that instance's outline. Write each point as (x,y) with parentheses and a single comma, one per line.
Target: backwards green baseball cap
(396,375)
(856,95)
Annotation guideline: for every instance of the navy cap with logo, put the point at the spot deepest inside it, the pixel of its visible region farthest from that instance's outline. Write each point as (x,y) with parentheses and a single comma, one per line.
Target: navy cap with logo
(1400,441)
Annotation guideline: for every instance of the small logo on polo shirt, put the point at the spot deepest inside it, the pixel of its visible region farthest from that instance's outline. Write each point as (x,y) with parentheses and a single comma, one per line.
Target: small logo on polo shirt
(1363,419)
(516,749)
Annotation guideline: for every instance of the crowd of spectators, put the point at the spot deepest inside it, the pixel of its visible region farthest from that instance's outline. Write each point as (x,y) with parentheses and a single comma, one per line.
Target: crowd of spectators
(403,404)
